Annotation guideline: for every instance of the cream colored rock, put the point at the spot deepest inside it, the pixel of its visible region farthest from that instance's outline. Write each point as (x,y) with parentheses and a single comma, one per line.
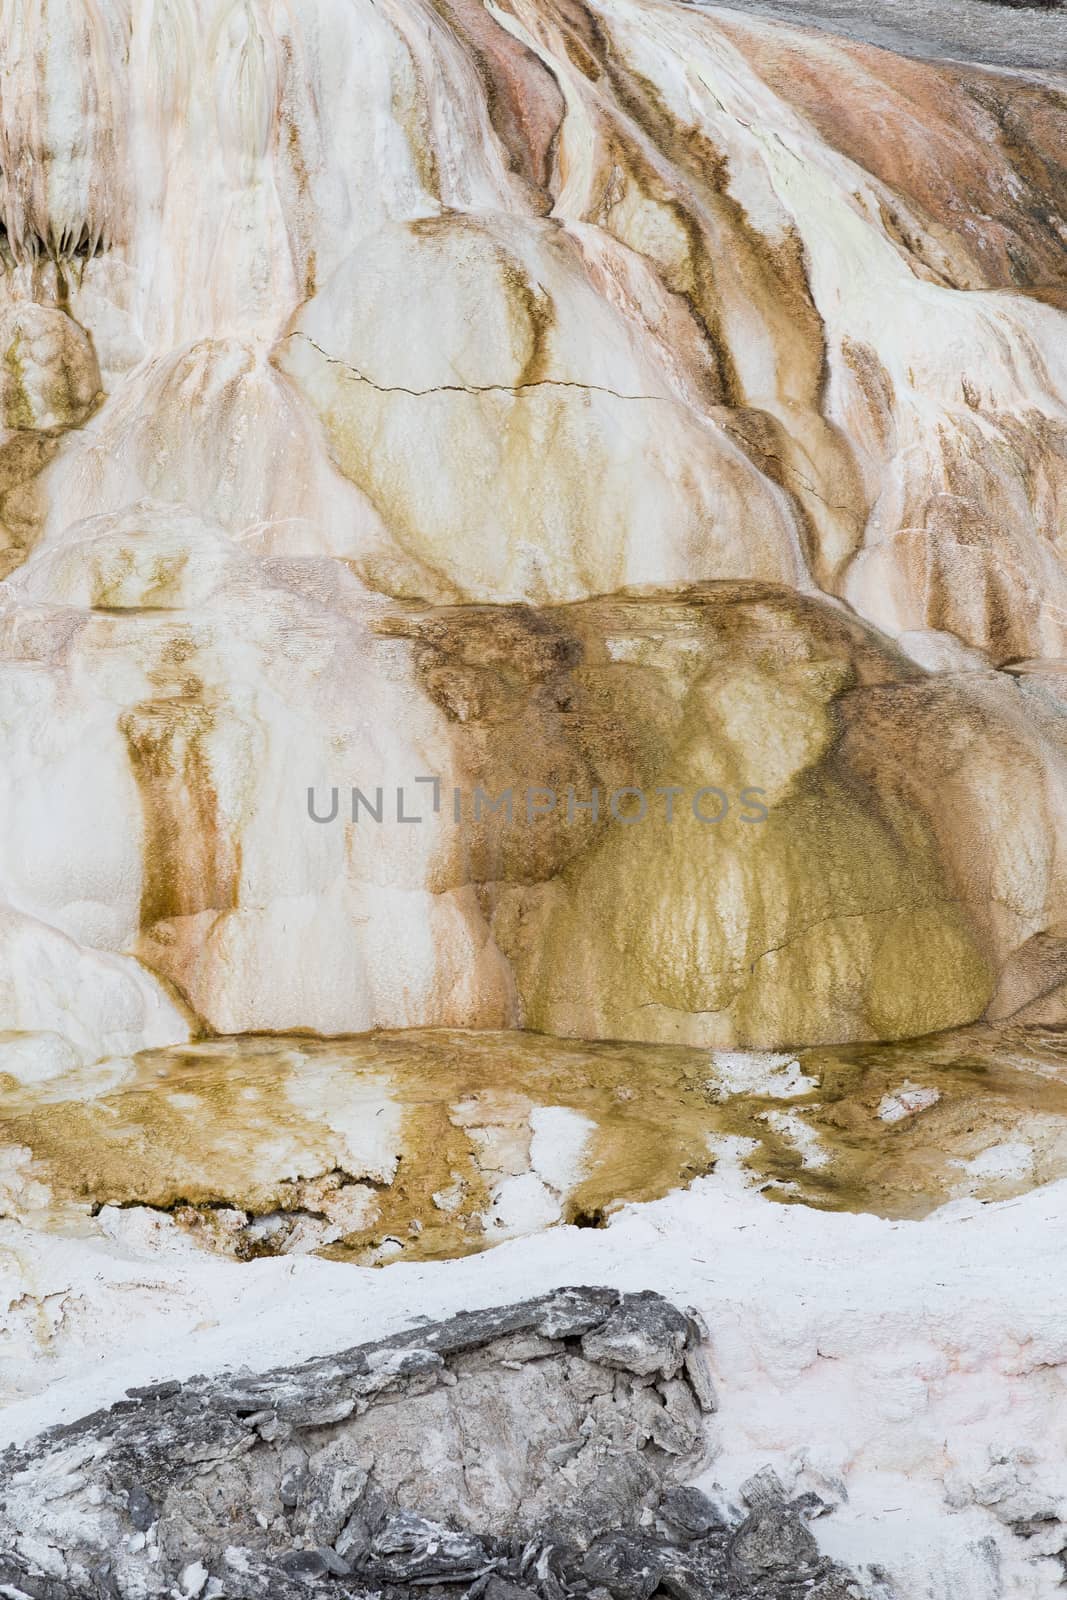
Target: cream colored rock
(49,376)
(327,326)
(571,465)
(214,691)
(33,1057)
(99,1003)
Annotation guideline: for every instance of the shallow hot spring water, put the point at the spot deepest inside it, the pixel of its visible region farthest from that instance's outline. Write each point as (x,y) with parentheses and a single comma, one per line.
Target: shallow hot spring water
(437,1143)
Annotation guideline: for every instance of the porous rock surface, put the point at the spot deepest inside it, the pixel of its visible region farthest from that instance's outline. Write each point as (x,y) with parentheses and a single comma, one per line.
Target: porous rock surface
(620,393)
(535,1450)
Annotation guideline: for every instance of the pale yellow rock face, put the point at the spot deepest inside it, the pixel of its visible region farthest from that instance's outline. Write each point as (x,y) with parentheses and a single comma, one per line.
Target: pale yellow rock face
(607,396)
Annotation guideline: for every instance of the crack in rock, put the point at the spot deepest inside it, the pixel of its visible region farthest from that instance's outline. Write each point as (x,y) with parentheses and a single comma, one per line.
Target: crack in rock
(477,388)
(516,390)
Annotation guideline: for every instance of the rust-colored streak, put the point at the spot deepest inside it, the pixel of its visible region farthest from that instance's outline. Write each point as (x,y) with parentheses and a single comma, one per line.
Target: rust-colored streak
(190,862)
(522,96)
(975,156)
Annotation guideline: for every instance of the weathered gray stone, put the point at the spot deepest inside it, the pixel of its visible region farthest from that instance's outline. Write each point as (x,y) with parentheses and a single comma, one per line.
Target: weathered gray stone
(699,1374)
(330,1494)
(142,1511)
(292,1484)
(357,1535)
(699,1573)
(501,1589)
(763,1488)
(628,1566)
(410,1547)
(530,1452)
(304,1565)
(688,1513)
(644,1334)
(336,1566)
(773,1540)
(571,1312)
(155,1391)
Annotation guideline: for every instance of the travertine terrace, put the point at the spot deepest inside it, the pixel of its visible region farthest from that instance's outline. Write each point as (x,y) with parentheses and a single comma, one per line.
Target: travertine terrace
(608,405)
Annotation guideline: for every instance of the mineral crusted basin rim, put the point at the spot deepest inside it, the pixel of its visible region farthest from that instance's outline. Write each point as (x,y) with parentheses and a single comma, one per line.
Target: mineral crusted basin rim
(435,1143)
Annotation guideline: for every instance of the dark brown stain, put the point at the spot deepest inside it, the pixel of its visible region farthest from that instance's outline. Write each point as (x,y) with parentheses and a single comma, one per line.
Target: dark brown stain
(875,385)
(191,863)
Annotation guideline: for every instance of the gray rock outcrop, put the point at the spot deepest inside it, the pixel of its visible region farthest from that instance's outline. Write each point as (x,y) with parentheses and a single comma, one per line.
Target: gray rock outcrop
(532,1452)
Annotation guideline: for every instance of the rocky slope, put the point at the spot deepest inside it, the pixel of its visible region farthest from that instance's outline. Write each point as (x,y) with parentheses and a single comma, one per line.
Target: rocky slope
(318,319)
(579,1414)
(533,515)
